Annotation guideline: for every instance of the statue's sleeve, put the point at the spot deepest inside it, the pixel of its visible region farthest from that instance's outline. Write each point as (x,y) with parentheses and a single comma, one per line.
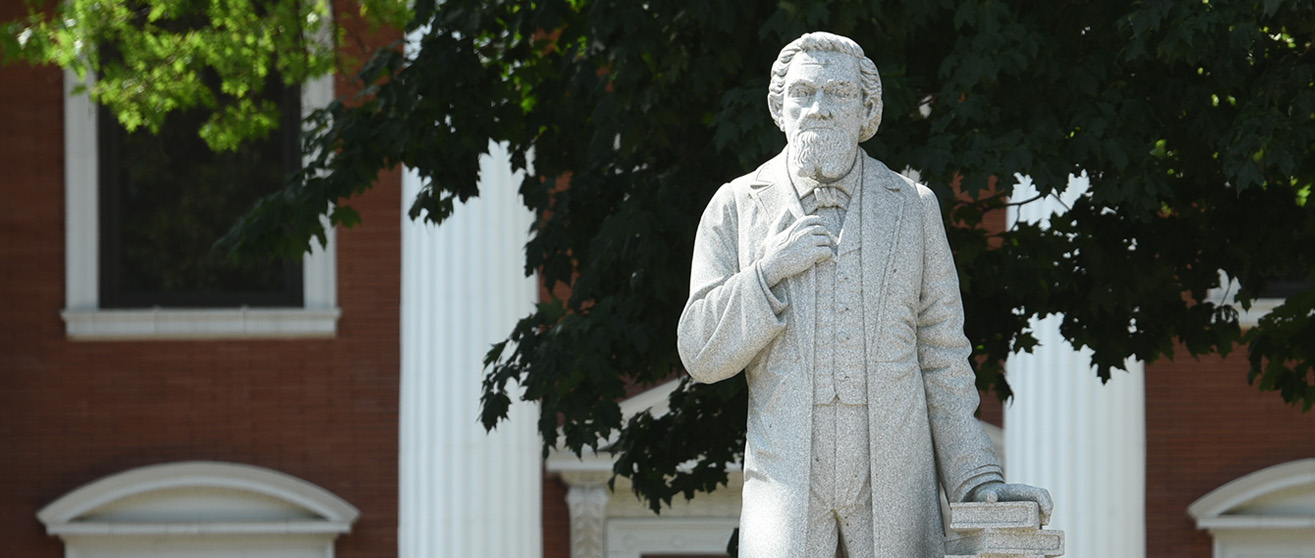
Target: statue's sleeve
(731,314)
(964,453)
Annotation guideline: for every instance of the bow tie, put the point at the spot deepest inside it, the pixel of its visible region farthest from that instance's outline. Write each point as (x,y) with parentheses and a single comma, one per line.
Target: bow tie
(828,196)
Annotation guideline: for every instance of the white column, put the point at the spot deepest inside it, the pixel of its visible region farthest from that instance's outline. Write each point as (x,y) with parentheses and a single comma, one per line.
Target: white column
(1066,432)
(465,492)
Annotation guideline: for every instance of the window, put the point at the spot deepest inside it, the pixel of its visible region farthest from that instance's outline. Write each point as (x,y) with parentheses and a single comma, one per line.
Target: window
(165,198)
(291,302)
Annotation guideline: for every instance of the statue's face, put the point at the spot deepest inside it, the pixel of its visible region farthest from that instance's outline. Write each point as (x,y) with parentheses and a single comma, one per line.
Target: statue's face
(823,113)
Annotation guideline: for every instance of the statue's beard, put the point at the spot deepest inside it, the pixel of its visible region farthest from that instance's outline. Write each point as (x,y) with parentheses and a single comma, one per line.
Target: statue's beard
(822,154)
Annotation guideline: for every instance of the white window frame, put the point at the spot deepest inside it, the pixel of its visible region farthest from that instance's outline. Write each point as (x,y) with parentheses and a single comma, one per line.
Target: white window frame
(84,319)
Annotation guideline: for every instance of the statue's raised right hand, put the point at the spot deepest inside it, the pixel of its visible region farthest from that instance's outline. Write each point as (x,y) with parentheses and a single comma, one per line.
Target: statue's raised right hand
(795,246)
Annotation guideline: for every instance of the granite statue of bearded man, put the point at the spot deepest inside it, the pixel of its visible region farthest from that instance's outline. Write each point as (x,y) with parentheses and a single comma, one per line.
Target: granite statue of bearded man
(827,279)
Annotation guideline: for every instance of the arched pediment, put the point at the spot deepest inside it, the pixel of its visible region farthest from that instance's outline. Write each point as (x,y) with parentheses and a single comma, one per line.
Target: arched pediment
(1278,497)
(199,497)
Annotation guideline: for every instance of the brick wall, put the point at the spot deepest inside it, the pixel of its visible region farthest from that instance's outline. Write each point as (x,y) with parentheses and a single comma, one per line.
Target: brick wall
(1204,428)
(74,412)
(556,518)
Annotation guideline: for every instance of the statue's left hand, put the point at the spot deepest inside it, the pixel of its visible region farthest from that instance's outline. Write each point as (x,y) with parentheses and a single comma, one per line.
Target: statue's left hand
(1001,492)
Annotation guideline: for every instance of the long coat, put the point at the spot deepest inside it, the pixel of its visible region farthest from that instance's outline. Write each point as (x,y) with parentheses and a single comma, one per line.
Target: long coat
(921,395)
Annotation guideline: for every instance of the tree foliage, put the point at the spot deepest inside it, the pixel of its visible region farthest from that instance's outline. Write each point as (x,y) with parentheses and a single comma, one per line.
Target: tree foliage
(1195,122)
(150,58)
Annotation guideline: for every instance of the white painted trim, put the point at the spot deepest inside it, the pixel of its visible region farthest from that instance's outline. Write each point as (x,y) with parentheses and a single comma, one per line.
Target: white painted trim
(228,528)
(654,401)
(1211,509)
(1253,522)
(197,474)
(1241,525)
(1225,295)
(561,460)
(634,537)
(121,516)
(83,317)
(240,323)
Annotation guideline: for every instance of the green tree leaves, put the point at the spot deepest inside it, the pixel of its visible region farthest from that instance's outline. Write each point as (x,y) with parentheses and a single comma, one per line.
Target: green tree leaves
(148,58)
(1194,122)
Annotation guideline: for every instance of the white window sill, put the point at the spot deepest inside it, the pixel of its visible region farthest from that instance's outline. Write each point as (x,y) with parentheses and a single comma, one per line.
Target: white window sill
(238,323)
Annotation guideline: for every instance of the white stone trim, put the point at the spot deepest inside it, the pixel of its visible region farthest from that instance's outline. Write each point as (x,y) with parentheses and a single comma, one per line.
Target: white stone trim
(1216,511)
(1225,294)
(83,317)
(223,323)
(175,529)
(1266,514)
(588,508)
(161,510)
(634,537)
(197,474)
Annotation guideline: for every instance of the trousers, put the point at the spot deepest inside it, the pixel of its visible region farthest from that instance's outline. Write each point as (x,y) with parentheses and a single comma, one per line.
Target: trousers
(840,492)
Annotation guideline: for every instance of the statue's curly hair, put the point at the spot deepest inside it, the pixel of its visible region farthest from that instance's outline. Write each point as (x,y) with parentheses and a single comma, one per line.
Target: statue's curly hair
(820,42)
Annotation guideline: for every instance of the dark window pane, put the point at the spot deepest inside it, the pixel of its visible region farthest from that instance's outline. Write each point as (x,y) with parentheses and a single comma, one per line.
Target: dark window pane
(165,200)
(1290,282)
(1284,289)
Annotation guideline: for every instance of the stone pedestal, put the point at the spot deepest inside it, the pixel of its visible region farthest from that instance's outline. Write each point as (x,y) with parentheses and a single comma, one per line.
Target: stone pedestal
(1000,530)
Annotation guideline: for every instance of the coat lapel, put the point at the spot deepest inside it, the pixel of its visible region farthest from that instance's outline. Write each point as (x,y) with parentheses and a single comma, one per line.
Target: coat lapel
(883,210)
(772,191)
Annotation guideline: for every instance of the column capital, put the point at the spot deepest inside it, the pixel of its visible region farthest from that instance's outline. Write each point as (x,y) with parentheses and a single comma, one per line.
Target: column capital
(588,506)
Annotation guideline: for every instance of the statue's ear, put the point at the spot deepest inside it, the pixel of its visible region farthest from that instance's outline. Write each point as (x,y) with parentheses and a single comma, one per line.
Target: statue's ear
(873,119)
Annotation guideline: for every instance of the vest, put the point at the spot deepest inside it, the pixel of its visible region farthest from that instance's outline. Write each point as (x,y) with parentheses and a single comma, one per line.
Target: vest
(839,370)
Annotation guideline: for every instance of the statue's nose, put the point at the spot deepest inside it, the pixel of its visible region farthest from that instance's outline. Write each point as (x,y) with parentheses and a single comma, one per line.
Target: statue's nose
(817,107)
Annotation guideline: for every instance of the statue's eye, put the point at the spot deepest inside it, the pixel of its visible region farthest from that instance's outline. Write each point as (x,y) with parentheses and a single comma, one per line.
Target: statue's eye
(800,91)
(845,91)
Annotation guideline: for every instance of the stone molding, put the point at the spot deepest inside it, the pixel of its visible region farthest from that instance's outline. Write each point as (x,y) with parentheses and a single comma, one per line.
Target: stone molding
(193,508)
(588,505)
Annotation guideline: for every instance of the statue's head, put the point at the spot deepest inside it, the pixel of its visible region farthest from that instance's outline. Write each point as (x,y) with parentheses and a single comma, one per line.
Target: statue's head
(825,95)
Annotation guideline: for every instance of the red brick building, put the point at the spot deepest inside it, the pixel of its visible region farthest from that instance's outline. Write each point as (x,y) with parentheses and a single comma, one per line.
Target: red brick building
(315,397)
(326,393)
